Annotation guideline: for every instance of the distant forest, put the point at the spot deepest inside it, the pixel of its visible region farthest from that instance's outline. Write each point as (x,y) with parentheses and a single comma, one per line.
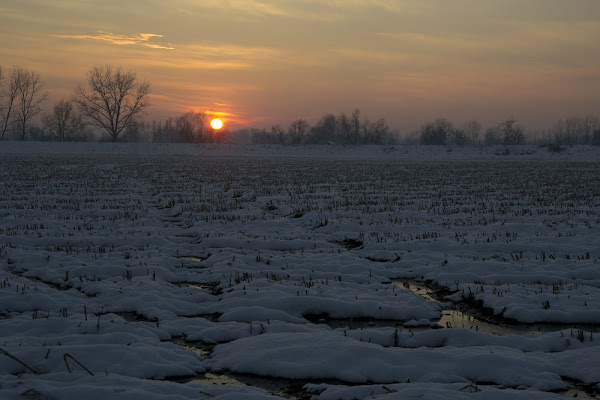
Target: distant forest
(110,106)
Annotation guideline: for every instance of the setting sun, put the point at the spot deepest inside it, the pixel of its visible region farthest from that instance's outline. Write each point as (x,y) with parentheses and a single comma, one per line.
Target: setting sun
(216,123)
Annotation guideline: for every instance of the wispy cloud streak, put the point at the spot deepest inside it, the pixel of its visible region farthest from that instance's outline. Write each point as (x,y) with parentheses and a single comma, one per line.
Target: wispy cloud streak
(142,39)
(312,10)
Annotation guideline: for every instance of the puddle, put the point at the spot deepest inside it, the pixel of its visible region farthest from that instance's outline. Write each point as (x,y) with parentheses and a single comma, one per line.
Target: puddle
(347,243)
(579,390)
(214,379)
(462,316)
(419,289)
(577,393)
(458,319)
(192,258)
(294,389)
(198,286)
(200,349)
(131,316)
(351,323)
(455,318)
(458,316)
(286,388)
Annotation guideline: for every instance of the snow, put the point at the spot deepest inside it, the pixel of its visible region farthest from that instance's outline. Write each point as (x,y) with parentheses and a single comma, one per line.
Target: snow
(112,255)
(344,152)
(63,386)
(322,355)
(425,391)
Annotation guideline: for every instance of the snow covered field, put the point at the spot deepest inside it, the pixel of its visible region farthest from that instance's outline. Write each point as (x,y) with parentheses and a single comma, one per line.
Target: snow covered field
(151,271)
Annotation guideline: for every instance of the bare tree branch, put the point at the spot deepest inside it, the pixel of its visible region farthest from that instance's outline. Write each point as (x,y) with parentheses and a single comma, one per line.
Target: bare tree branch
(64,122)
(112,99)
(30,97)
(8,97)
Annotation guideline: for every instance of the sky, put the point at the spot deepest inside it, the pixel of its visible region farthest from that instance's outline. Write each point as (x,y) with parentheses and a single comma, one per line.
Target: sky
(261,62)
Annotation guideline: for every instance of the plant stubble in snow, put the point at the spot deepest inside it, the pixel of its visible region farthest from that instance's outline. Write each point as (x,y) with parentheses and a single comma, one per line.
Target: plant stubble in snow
(96,264)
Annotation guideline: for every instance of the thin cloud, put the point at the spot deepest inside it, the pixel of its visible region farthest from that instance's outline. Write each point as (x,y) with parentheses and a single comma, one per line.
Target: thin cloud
(142,39)
(249,7)
(394,6)
(313,10)
(543,43)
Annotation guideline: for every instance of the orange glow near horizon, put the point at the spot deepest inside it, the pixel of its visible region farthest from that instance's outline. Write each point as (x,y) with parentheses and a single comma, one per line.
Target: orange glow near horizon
(216,124)
(407,62)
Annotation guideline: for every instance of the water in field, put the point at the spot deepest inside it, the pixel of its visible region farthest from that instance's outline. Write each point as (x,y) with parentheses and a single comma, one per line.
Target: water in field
(192,258)
(214,379)
(470,319)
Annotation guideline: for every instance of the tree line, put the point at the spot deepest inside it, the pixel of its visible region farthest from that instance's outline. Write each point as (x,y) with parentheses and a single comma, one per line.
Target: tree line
(111,101)
(340,129)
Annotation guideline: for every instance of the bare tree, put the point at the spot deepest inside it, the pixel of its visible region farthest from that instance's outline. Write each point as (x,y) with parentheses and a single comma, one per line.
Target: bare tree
(30,97)
(437,132)
(492,136)
(590,124)
(558,131)
(298,130)
(192,126)
(573,130)
(375,132)
(344,128)
(8,97)
(472,130)
(596,138)
(355,122)
(64,122)
(510,132)
(137,131)
(112,99)
(169,130)
(458,137)
(278,134)
(323,131)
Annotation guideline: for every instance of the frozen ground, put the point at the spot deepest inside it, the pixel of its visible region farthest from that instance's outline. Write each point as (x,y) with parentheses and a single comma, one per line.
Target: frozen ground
(128,270)
(419,153)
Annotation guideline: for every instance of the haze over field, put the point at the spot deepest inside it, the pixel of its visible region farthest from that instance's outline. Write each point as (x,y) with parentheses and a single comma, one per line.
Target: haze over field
(264,62)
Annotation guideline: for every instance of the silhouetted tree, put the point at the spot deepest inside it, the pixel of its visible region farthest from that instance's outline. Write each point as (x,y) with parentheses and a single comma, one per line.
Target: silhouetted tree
(458,137)
(575,130)
(511,133)
(596,138)
(278,134)
(9,87)
(29,97)
(185,130)
(437,132)
(590,125)
(472,130)
(64,122)
(298,130)
(374,132)
(261,136)
(355,122)
(492,136)
(324,130)
(343,129)
(193,126)
(136,131)
(112,98)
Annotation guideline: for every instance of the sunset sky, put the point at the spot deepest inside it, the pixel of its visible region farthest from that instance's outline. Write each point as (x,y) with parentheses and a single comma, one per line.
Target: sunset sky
(271,61)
